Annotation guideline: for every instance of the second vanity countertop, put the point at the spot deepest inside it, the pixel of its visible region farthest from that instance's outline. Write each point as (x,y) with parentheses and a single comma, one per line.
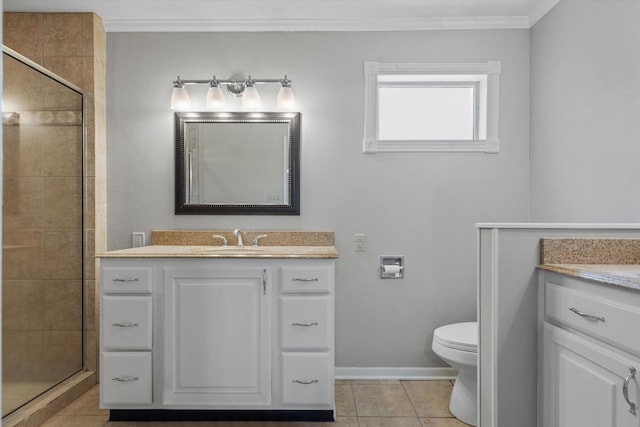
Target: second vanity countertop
(609,261)
(624,275)
(197,251)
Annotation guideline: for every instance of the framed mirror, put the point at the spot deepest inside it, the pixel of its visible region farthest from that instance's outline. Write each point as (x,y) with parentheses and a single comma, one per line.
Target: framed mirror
(237,163)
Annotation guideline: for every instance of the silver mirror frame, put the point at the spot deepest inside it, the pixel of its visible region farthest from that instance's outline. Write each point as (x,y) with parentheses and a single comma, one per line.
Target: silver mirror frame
(182,207)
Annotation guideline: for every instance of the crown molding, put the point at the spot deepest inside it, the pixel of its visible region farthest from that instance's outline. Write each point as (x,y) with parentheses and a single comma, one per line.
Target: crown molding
(379,24)
(297,15)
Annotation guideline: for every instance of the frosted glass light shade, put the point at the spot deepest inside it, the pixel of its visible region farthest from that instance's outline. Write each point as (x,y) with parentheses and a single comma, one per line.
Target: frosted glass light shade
(251,98)
(215,97)
(286,99)
(180,99)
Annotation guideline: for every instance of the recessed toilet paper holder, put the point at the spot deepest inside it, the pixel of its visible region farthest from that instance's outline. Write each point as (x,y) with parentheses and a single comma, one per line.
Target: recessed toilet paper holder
(392,267)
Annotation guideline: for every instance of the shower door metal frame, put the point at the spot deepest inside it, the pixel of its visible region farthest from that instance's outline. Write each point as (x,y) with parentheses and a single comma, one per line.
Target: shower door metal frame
(39,68)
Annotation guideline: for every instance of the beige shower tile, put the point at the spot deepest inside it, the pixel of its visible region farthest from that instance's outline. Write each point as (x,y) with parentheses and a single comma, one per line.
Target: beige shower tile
(62,353)
(90,167)
(62,147)
(90,305)
(63,34)
(22,151)
(23,200)
(91,351)
(22,254)
(23,33)
(429,400)
(22,87)
(23,305)
(63,300)
(90,203)
(87,34)
(382,400)
(57,95)
(62,202)
(25,361)
(89,256)
(63,254)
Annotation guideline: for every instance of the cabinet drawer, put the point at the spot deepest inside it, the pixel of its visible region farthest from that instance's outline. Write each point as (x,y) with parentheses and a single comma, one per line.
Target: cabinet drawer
(305,322)
(601,318)
(307,379)
(306,279)
(127,322)
(123,280)
(126,378)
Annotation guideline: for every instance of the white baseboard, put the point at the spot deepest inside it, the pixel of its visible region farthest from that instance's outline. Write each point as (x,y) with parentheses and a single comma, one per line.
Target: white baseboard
(346,373)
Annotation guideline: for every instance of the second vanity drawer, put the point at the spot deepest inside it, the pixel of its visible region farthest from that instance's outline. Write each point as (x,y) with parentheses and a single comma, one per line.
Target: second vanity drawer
(126,378)
(604,319)
(305,322)
(125,280)
(306,279)
(127,322)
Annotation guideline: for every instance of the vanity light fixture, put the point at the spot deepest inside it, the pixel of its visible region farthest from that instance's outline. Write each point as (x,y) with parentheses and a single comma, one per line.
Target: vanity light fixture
(246,89)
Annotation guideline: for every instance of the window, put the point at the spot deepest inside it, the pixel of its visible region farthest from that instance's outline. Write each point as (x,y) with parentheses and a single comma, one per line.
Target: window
(431,107)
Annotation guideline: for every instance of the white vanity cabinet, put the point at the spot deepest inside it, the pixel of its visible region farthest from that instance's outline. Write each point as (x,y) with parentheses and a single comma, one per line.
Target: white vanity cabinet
(590,353)
(217,336)
(222,334)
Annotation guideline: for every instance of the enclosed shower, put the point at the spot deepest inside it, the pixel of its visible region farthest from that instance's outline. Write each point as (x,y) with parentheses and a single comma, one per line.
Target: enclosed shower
(42,229)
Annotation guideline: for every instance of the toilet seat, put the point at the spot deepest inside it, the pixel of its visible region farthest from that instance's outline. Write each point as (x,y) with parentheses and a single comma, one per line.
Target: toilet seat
(459,336)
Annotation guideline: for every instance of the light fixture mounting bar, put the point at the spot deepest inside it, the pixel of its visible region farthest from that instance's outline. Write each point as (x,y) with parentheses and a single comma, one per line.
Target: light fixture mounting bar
(230,82)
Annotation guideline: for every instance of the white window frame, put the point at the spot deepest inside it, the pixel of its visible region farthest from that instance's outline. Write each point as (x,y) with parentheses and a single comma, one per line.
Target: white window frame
(486,73)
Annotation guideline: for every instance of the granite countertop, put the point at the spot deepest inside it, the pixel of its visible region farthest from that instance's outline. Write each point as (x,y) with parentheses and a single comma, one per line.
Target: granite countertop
(203,244)
(625,275)
(199,251)
(609,261)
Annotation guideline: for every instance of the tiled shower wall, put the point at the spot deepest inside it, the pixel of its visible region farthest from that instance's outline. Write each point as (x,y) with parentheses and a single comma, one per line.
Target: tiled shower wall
(73,46)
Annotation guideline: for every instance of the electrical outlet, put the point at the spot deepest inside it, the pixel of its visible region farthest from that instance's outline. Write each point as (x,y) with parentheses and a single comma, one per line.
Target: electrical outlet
(137,239)
(360,242)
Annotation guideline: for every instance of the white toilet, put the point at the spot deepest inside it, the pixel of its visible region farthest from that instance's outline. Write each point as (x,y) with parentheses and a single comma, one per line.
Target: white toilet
(457,344)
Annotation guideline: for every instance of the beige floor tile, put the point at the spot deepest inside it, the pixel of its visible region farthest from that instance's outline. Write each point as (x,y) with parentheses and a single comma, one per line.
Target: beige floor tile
(382,400)
(429,400)
(87,404)
(442,422)
(389,422)
(77,421)
(345,405)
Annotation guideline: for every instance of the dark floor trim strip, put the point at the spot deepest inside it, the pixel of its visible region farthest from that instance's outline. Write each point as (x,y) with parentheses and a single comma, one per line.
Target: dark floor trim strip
(218,415)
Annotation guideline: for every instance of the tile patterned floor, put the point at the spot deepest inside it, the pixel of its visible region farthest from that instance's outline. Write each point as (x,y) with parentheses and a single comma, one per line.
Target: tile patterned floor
(358,404)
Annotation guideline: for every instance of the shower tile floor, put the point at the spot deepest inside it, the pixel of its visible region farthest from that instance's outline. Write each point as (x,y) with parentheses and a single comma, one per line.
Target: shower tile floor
(359,403)
(17,393)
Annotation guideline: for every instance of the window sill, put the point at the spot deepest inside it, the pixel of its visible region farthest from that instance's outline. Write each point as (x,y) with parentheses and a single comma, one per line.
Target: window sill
(408,146)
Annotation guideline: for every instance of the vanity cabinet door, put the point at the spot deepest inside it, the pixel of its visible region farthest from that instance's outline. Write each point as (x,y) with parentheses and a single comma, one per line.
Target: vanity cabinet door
(217,336)
(584,382)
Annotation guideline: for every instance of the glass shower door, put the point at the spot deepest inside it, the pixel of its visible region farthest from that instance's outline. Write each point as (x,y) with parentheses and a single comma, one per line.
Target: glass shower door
(42,225)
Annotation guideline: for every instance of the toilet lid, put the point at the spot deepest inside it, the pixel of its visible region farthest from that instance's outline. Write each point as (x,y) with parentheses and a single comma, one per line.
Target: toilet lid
(461,336)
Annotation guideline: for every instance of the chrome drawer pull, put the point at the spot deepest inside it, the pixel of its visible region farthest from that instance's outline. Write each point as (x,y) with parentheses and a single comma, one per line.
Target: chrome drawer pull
(135,279)
(586,315)
(125,379)
(625,389)
(304,325)
(125,325)
(304,382)
(304,279)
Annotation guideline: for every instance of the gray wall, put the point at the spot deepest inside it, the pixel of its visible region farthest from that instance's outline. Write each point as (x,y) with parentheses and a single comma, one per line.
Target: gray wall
(423,206)
(585,113)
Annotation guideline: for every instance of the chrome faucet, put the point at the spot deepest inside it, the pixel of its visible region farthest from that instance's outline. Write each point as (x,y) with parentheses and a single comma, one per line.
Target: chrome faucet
(238,234)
